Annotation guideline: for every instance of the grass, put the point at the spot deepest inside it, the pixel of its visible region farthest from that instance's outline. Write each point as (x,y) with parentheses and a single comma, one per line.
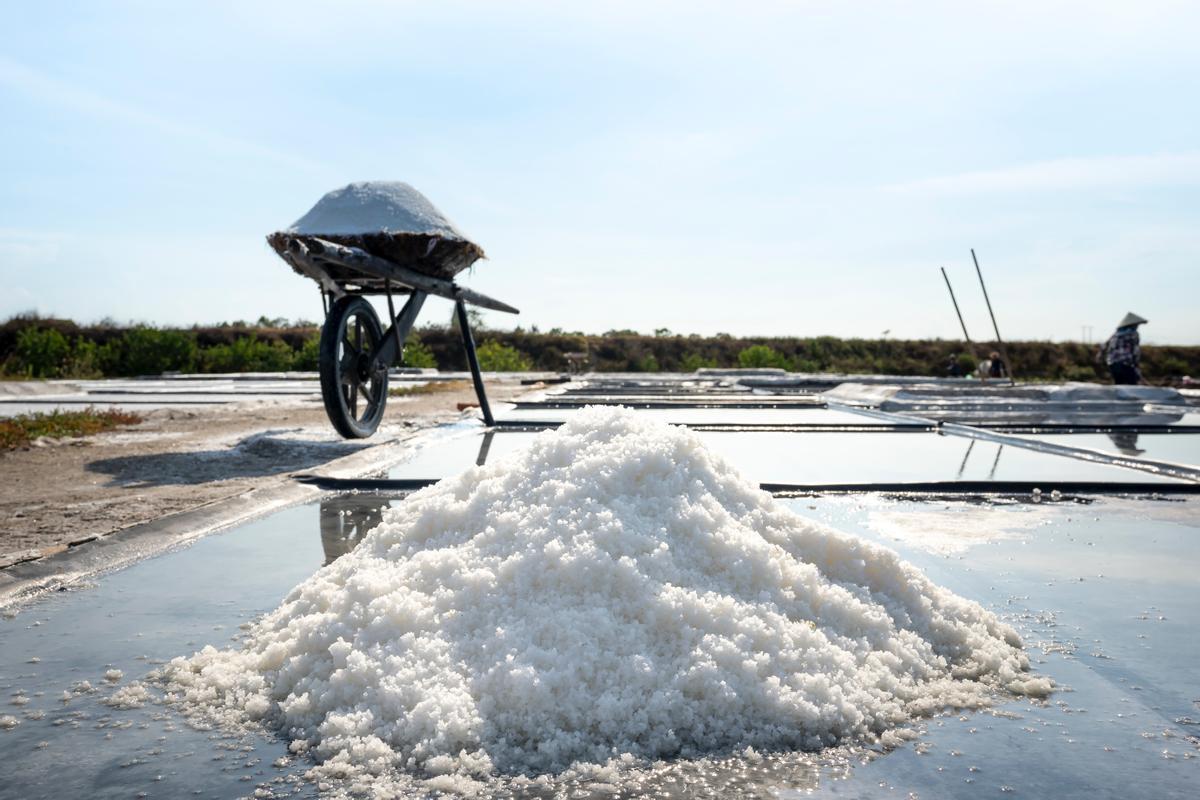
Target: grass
(19,431)
(433,387)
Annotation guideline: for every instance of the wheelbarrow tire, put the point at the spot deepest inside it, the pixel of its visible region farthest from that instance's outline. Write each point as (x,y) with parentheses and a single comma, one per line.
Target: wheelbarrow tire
(353,384)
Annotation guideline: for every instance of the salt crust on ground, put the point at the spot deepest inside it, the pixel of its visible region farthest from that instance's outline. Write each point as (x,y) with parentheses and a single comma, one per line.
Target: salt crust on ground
(615,589)
(135,695)
(375,207)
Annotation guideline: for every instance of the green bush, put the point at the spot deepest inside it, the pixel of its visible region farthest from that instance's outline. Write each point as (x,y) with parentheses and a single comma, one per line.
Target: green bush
(805,365)
(966,363)
(1172,366)
(247,354)
(308,357)
(148,351)
(41,353)
(84,361)
(1076,372)
(417,354)
(648,363)
(760,355)
(694,361)
(496,357)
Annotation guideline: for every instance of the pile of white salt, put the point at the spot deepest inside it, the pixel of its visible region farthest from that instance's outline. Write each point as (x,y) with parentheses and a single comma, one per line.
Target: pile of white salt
(375,207)
(615,589)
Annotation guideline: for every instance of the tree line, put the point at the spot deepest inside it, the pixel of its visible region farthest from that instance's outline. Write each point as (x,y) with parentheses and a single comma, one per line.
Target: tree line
(38,347)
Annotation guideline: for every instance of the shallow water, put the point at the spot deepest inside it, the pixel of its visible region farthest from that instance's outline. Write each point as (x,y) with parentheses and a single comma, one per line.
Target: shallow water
(822,458)
(812,415)
(1177,448)
(130,620)
(1104,593)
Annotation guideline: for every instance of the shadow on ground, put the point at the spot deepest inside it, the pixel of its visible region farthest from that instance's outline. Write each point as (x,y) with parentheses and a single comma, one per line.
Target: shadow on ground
(268,453)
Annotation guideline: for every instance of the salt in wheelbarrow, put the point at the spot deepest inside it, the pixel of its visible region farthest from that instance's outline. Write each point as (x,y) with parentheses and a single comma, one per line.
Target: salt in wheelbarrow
(378,238)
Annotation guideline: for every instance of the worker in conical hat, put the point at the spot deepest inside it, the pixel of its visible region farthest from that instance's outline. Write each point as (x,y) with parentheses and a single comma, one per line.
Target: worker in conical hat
(1123,352)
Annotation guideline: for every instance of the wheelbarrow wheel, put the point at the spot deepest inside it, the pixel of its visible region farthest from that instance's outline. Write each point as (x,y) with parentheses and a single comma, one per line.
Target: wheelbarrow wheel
(353,381)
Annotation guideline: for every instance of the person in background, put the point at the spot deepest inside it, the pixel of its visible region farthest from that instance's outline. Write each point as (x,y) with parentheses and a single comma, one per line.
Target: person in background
(953,368)
(996,366)
(991,367)
(1123,352)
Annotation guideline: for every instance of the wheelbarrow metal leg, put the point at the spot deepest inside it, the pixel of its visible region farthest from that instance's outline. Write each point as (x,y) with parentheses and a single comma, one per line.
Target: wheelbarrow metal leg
(473,360)
(392,346)
(387,285)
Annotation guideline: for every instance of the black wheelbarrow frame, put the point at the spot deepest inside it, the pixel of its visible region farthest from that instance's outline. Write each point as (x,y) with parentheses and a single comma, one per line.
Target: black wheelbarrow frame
(355,353)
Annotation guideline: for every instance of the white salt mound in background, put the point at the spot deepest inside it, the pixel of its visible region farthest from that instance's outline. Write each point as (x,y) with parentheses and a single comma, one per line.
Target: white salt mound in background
(375,207)
(613,589)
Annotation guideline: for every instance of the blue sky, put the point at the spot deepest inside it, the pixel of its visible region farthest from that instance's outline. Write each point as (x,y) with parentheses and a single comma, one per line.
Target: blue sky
(754,168)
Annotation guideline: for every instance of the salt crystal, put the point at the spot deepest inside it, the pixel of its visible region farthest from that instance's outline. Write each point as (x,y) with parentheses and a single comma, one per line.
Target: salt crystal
(135,695)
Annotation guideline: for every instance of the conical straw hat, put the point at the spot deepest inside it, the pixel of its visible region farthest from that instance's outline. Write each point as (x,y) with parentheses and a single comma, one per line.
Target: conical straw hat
(1132,319)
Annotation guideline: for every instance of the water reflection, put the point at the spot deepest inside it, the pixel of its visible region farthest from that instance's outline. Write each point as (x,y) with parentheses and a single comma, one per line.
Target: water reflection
(345,520)
(484,447)
(966,456)
(995,463)
(827,458)
(1126,442)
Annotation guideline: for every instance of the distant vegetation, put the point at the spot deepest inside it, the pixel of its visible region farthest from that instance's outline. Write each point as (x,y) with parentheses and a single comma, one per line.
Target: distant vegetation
(34,347)
(763,355)
(416,354)
(51,348)
(497,357)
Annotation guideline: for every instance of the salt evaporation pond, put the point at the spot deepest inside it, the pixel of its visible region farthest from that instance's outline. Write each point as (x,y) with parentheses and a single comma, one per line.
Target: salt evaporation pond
(1178,448)
(822,458)
(1103,594)
(613,591)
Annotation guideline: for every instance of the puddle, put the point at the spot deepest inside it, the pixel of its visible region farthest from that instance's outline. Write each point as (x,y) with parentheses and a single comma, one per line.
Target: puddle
(130,621)
(1177,448)
(1105,596)
(813,415)
(822,458)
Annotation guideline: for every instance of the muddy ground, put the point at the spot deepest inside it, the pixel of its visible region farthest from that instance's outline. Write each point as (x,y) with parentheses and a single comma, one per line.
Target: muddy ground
(61,493)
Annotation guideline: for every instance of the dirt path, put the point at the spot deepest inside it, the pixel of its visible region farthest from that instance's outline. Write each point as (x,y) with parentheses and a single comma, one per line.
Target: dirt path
(64,493)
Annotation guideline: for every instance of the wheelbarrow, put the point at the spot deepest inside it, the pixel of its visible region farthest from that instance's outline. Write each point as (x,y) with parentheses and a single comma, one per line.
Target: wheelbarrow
(378,238)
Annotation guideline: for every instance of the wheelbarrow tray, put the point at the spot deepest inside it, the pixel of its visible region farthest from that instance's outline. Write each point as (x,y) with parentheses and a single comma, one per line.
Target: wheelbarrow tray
(428,254)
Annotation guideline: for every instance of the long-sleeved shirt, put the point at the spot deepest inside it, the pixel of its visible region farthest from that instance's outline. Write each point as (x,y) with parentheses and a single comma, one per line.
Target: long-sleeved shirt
(1123,347)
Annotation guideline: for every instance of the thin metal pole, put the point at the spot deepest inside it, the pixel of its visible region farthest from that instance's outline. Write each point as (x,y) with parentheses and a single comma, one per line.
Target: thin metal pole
(995,327)
(966,335)
(464,327)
